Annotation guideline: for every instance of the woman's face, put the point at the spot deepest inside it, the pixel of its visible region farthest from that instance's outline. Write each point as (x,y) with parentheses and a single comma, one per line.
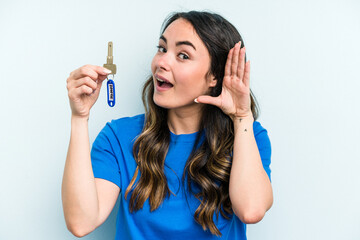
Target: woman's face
(180,67)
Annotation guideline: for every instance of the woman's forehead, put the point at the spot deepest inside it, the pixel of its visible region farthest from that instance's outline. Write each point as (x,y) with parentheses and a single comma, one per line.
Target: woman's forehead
(181,30)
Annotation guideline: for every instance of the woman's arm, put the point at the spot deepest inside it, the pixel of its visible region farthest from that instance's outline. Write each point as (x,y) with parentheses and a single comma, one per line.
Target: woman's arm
(250,189)
(79,194)
(87,201)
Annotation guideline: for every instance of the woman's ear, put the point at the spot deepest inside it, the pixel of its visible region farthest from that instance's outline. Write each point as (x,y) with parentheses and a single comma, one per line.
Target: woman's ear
(212,80)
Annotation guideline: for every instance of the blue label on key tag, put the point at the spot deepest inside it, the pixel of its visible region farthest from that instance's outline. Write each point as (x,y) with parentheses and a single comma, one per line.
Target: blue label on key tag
(111,92)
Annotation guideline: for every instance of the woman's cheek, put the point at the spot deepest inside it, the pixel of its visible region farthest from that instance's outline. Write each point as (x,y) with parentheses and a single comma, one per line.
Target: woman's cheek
(153,68)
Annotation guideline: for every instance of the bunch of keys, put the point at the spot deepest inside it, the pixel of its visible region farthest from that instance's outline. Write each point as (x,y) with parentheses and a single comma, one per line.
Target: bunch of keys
(110,83)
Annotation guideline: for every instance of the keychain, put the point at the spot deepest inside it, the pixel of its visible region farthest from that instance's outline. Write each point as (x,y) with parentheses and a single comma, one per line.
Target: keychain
(110,83)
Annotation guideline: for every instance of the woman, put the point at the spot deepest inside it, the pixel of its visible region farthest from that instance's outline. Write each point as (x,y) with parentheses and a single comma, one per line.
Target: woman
(195,165)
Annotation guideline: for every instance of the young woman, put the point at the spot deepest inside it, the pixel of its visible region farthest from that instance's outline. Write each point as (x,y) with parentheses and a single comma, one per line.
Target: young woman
(195,165)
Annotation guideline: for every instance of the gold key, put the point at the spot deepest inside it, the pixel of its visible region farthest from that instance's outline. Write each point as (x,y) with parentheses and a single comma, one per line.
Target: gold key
(109,60)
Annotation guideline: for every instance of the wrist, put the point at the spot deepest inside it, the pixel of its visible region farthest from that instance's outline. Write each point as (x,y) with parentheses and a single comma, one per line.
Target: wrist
(243,124)
(79,119)
(248,118)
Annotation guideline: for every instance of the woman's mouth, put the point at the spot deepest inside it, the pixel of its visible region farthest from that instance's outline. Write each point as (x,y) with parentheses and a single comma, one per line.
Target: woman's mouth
(163,84)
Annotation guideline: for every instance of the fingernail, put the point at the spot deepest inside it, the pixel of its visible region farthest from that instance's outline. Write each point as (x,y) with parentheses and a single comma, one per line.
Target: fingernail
(195,100)
(107,71)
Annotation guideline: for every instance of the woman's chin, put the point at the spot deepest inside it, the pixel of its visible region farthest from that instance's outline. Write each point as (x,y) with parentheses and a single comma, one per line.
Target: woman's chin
(162,103)
(171,103)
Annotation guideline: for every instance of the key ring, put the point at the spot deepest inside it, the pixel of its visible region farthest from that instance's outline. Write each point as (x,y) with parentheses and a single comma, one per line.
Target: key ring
(110,83)
(110,91)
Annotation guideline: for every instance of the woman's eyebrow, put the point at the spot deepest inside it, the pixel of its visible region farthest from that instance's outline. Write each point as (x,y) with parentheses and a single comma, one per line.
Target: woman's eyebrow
(179,43)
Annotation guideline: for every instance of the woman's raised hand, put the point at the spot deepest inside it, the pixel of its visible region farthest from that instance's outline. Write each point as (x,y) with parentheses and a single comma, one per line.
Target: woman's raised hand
(84,86)
(234,99)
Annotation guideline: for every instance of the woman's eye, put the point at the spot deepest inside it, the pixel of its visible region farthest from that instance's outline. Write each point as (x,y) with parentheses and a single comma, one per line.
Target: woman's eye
(183,56)
(161,49)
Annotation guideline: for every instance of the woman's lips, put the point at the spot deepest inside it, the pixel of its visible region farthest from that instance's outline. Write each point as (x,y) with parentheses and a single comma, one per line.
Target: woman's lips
(162,84)
(161,78)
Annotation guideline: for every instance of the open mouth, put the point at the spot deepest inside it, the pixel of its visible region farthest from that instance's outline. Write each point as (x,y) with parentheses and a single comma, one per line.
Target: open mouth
(163,84)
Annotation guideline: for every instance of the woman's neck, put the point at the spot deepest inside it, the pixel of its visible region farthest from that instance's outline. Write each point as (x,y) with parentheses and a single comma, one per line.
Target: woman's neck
(185,120)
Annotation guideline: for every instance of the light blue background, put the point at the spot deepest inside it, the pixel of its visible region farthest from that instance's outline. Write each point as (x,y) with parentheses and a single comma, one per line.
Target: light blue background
(304,72)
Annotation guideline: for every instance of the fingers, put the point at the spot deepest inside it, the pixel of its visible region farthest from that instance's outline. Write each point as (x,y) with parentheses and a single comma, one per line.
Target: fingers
(235,63)
(235,59)
(247,74)
(241,66)
(81,90)
(90,70)
(228,63)
(85,81)
(88,75)
(209,100)
(76,93)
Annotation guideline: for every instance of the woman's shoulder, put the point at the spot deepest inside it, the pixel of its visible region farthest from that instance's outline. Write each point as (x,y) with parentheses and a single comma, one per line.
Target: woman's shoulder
(134,121)
(126,126)
(261,134)
(258,128)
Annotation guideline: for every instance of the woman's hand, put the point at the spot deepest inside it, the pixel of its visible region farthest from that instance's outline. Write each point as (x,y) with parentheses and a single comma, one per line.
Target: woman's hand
(84,86)
(234,99)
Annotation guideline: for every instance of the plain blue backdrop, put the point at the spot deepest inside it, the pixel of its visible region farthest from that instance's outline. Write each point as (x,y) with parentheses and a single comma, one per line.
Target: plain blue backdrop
(304,72)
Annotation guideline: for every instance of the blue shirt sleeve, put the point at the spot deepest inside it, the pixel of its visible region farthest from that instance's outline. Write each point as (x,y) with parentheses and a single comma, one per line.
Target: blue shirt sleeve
(104,160)
(264,146)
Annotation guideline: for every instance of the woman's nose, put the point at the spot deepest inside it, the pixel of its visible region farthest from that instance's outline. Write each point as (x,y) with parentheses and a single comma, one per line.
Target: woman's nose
(164,61)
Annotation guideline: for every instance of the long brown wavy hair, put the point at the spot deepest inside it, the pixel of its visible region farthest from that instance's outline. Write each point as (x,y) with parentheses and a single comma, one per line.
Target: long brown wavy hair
(209,164)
